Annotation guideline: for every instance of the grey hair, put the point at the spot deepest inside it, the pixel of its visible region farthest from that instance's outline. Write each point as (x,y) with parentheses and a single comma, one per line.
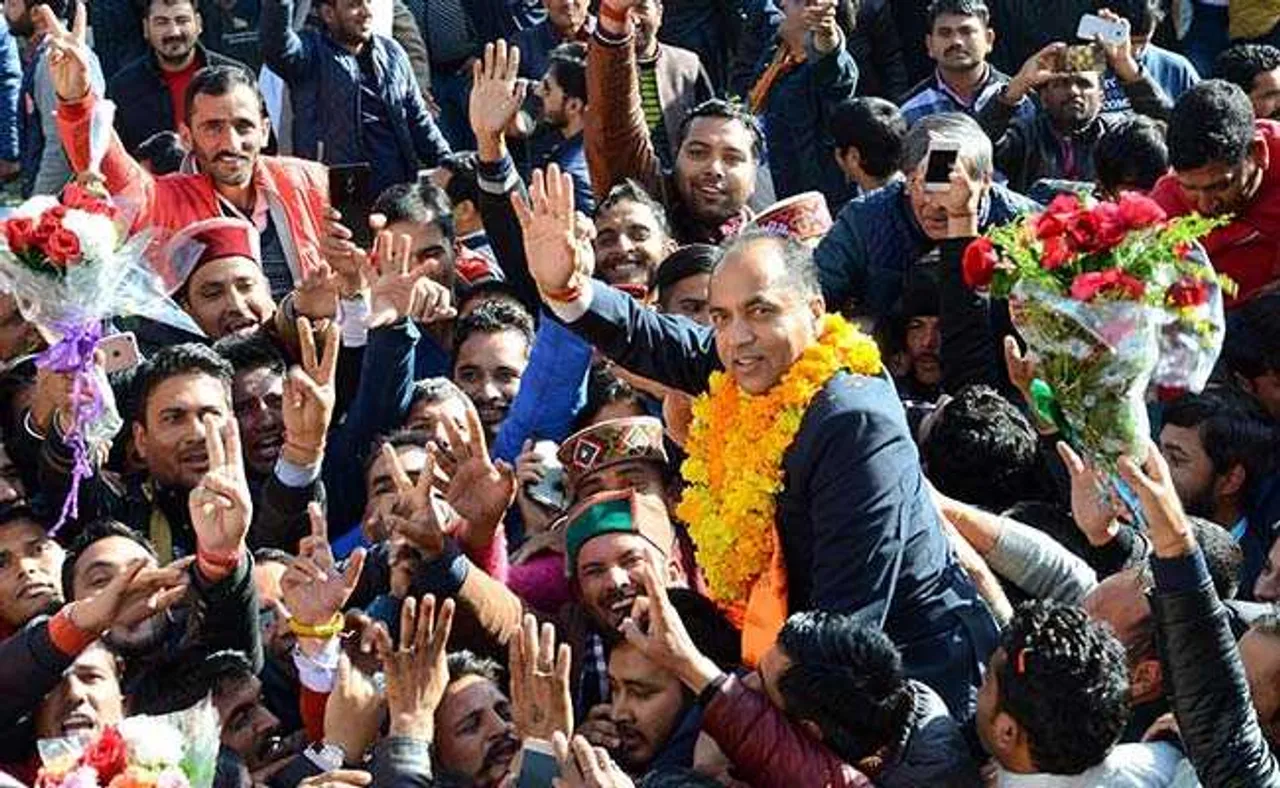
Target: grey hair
(953,127)
(802,272)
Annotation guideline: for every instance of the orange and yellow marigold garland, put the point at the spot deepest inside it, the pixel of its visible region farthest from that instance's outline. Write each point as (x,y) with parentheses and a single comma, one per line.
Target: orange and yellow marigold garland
(735,447)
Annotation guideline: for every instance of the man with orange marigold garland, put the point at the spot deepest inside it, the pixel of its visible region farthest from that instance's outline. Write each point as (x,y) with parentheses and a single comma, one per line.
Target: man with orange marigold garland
(805,488)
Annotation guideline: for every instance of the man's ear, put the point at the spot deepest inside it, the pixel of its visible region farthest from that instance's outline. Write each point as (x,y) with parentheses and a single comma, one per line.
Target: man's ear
(810,727)
(1260,153)
(1005,735)
(140,439)
(1232,482)
(817,308)
(184,134)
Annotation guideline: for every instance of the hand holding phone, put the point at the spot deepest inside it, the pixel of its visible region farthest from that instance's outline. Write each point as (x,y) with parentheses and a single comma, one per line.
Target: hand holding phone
(538,765)
(938,163)
(351,193)
(1108,31)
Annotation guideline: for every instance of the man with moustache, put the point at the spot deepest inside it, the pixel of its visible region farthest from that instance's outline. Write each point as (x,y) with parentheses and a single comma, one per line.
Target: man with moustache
(1255,68)
(225,128)
(150,92)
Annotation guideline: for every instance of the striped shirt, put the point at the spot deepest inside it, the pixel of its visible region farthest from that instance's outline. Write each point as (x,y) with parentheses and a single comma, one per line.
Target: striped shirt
(933,96)
(651,103)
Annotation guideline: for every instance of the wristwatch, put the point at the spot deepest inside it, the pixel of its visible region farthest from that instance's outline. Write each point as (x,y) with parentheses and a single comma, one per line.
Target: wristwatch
(326,756)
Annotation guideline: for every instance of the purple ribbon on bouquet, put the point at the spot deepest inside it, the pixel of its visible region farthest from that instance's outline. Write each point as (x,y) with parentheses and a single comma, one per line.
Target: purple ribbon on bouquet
(73,355)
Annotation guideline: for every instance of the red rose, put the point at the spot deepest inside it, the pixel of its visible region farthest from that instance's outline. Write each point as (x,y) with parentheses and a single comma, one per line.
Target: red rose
(1188,292)
(1112,228)
(1090,285)
(45,229)
(1138,211)
(18,232)
(1053,222)
(108,755)
(63,247)
(1056,253)
(979,264)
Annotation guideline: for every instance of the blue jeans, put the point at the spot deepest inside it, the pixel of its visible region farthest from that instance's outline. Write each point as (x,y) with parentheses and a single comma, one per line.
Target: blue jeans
(453,92)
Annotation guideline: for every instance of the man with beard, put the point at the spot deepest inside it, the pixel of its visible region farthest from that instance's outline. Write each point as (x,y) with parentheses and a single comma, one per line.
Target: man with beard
(227,293)
(563,93)
(45,168)
(225,128)
(491,352)
(1256,69)
(1056,139)
(959,40)
(1219,448)
(354,94)
(150,93)
(181,391)
(719,148)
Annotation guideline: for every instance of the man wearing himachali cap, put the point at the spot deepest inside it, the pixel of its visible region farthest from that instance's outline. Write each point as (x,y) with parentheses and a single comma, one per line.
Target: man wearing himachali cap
(226,292)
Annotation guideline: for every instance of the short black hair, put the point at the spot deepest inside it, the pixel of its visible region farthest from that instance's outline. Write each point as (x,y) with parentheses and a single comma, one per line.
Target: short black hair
(604,388)
(1065,680)
(492,317)
(395,440)
(486,290)
(464,179)
(418,203)
(251,351)
(1132,155)
(983,451)
(92,533)
(1232,431)
(433,390)
(684,262)
(219,81)
(164,150)
(1241,64)
(1212,122)
(1252,345)
(974,8)
(846,677)
(874,127)
(1144,16)
(174,361)
(726,110)
(1222,555)
(567,63)
(628,190)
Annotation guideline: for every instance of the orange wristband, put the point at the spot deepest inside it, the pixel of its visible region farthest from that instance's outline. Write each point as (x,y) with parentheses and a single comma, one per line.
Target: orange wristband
(66,636)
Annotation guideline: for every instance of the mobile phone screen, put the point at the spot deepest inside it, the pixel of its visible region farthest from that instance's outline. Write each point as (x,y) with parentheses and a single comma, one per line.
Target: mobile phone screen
(938,170)
(537,768)
(350,193)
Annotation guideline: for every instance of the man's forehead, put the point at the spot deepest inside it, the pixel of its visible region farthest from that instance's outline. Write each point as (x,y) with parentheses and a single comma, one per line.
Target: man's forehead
(116,550)
(258,382)
(757,267)
(626,211)
(628,663)
(239,103)
(185,388)
(19,532)
(469,694)
(719,132)
(957,20)
(610,546)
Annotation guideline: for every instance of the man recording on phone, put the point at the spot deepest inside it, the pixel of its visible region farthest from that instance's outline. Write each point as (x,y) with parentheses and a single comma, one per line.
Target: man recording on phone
(1056,140)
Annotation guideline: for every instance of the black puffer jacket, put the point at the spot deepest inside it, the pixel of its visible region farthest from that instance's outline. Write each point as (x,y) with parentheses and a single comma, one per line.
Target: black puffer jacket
(1205,678)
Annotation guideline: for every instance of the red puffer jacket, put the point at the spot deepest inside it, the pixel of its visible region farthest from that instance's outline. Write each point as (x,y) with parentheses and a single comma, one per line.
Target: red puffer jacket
(294,188)
(1248,249)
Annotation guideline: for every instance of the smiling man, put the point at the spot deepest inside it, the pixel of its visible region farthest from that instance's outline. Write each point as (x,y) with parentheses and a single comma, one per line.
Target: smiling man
(491,352)
(855,527)
(227,293)
(150,93)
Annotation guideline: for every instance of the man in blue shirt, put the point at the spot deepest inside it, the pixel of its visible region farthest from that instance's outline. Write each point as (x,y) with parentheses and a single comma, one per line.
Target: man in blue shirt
(563,94)
(1171,71)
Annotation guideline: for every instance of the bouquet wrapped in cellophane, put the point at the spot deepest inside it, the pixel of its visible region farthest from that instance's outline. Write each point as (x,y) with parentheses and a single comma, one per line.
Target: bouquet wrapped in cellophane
(178,750)
(71,265)
(1115,299)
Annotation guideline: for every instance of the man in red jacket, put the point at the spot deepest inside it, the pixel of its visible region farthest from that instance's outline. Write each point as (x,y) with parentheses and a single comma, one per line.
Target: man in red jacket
(226,130)
(1226,162)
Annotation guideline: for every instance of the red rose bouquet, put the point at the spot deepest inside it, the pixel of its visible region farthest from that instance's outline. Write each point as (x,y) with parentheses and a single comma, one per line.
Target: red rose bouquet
(71,266)
(1114,298)
(178,750)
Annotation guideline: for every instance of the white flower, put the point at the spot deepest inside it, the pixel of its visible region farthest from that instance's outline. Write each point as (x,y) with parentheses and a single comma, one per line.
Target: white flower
(152,743)
(97,234)
(35,206)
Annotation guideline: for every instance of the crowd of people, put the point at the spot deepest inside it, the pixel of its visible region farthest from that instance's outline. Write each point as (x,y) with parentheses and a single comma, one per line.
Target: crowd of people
(426,495)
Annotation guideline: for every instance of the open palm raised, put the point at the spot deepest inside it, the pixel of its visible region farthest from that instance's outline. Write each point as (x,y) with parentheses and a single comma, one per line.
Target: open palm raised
(558,257)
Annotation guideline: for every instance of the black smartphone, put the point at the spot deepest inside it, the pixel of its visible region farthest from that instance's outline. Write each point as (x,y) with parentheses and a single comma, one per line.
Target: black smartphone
(538,765)
(351,193)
